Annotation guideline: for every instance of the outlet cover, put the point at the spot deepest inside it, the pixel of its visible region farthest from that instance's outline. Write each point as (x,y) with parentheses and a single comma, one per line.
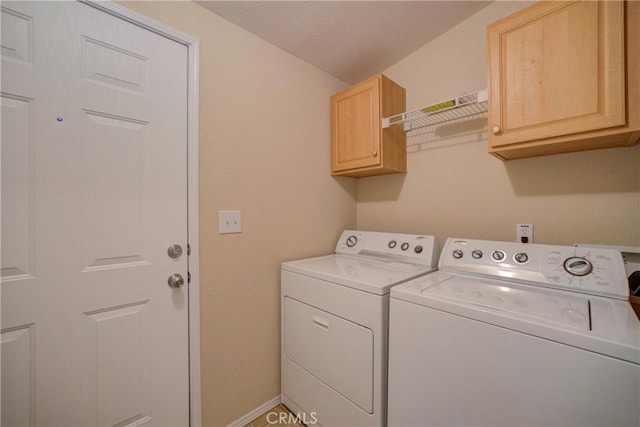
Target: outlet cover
(524,233)
(230,222)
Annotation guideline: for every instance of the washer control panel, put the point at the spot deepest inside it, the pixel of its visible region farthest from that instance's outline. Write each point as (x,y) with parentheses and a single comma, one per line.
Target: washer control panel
(595,271)
(410,248)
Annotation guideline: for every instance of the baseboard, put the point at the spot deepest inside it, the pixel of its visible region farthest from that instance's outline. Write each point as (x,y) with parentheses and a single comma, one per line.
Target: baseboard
(250,416)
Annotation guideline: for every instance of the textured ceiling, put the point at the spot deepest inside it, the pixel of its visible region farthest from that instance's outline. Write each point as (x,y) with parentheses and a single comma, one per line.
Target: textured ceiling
(351,40)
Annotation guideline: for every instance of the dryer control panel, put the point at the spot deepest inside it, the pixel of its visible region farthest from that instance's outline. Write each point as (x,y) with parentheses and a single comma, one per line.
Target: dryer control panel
(595,271)
(409,248)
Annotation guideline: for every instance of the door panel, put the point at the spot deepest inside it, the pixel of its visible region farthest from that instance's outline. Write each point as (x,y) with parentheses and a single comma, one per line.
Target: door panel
(113,66)
(17,219)
(94,188)
(117,344)
(113,166)
(17,376)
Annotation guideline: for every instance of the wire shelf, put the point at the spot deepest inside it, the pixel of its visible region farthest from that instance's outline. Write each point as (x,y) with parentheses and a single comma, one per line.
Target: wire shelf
(465,105)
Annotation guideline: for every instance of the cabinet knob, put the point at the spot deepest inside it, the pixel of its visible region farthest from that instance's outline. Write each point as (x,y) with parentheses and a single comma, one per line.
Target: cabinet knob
(374,153)
(496,130)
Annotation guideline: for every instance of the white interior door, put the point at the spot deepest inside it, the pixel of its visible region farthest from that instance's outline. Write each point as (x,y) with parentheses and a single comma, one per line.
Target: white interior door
(94,191)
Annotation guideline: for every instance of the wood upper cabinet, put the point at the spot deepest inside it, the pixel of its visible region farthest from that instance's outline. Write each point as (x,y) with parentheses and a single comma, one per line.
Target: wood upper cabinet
(359,144)
(564,76)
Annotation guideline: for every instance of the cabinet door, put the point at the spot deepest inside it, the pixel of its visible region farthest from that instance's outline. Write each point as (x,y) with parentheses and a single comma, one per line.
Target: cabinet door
(355,116)
(556,68)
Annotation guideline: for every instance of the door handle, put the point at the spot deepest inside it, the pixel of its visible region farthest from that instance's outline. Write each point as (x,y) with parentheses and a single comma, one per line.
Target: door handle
(175,281)
(321,322)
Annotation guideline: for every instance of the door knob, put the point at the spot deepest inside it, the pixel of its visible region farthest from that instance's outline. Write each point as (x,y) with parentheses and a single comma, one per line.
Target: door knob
(175,281)
(174,251)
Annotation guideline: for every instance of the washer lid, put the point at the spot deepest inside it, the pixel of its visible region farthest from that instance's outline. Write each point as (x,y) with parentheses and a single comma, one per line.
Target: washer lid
(569,311)
(603,325)
(367,275)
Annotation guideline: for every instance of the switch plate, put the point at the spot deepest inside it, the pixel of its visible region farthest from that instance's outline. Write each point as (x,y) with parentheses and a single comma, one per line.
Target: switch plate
(230,222)
(524,233)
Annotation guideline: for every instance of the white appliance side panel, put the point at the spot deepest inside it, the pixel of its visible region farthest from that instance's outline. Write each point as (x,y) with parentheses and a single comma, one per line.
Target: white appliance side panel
(336,351)
(446,369)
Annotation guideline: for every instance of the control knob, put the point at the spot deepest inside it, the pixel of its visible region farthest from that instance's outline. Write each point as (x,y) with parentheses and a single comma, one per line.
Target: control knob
(521,257)
(498,256)
(392,244)
(578,266)
(457,253)
(477,254)
(404,246)
(351,241)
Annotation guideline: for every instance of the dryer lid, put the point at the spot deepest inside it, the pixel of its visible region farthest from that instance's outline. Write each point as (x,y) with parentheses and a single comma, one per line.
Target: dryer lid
(364,274)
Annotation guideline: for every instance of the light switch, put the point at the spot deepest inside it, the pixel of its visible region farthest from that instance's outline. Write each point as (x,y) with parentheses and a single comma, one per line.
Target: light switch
(230,222)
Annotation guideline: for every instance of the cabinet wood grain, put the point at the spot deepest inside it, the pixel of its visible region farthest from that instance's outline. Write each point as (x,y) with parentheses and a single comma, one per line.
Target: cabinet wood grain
(359,144)
(564,76)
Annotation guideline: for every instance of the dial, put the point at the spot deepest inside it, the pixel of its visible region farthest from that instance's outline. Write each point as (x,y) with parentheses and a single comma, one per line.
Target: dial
(404,246)
(351,241)
(498,256)
(477,254)
(521,257)
(578,266)
(457,253)
(418,249)
(392,244)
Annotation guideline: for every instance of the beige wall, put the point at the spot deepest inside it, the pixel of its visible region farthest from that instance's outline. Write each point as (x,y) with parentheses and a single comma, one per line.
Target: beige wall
(454,188)
(264,149)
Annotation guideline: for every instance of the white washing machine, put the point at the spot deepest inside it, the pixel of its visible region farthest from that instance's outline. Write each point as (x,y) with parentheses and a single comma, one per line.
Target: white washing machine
(335,325)
(508,334)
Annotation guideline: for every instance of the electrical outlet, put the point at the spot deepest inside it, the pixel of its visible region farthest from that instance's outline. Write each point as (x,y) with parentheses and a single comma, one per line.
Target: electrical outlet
(524,233)
(230,222)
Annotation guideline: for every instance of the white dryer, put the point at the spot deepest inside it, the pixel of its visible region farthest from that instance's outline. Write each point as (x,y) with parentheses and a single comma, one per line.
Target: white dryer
(335,325)
(514,334)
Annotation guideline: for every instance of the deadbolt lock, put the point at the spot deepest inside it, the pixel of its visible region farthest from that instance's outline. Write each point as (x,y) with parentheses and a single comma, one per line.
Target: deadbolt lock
(174,251)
